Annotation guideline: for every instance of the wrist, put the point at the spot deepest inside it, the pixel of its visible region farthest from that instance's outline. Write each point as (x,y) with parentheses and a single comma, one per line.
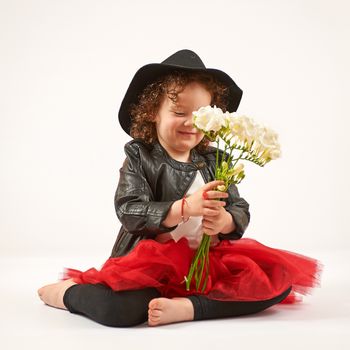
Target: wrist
(230,224)
(184,206)
(174,215)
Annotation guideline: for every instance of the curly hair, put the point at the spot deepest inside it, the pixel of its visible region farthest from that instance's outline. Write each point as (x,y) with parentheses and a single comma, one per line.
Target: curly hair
(143,113)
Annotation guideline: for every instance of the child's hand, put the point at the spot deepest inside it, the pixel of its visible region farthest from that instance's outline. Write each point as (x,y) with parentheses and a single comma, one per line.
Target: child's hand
(210,207)
(213,225)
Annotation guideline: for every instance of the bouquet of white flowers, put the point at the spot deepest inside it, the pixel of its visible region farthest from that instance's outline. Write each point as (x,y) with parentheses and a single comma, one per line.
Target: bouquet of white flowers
(252,141)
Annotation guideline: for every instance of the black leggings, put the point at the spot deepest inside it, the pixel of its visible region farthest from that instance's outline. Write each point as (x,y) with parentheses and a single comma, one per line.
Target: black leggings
(130,308)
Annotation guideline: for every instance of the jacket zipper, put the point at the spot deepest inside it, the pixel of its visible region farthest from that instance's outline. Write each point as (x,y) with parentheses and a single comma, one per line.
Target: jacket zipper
(203,177)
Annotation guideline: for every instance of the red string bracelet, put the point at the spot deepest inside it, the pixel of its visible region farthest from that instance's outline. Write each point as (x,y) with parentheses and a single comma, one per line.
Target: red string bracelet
(182,209)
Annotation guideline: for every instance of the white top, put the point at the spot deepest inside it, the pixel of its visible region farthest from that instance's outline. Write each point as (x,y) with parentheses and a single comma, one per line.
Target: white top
(191,229)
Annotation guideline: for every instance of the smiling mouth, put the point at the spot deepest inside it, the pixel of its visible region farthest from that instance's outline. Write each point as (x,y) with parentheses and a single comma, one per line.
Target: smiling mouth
(187,133)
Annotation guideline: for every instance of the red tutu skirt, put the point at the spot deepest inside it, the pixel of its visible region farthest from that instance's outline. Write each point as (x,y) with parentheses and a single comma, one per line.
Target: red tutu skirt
(239,270)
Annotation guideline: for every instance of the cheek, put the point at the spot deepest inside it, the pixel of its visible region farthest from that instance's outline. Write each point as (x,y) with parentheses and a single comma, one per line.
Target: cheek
(200,137)
(173,125)
(169,128)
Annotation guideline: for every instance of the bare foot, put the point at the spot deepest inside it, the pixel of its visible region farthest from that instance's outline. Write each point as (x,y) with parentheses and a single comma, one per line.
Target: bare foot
(164,310)
(52,294)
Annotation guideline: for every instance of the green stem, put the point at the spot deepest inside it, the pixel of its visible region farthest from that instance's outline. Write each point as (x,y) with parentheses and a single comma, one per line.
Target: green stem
(192,268)
(207,266)
(200,272)
(236,160)
(217,158)
(223,156)
(197,269)
(194,264)
(203,261)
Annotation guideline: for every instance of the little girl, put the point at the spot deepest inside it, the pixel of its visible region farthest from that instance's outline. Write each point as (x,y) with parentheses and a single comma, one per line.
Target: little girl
(166,198)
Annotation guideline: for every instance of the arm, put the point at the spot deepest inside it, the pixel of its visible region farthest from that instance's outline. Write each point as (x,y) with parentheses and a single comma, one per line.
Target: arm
(239,210)
(134,200)
(174,215)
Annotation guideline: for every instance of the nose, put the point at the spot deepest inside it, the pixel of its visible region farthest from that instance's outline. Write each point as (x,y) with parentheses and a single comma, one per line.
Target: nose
(188,121)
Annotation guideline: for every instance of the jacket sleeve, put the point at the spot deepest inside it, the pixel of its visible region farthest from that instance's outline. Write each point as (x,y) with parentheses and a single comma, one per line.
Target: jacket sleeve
(134,201)
(239,209)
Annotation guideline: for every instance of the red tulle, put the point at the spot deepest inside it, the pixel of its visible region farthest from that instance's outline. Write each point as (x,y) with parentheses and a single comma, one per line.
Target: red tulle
(241,270)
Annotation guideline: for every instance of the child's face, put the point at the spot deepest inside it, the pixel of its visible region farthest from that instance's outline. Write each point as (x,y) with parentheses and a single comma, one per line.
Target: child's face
(174,122)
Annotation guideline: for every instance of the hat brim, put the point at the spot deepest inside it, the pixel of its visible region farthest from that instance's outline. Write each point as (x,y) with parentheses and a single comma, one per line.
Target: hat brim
(151,72)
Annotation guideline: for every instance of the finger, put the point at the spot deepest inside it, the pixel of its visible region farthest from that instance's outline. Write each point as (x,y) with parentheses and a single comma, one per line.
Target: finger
(213,204)
(210,212)
(205,225)
(212,184)
(216,194)
(209,232)
(209,221)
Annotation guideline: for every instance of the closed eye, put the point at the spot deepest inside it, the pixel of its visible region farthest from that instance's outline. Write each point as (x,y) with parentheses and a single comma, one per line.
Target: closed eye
(177,113)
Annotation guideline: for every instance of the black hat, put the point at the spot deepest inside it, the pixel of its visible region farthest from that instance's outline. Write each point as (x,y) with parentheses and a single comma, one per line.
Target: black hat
(186,60)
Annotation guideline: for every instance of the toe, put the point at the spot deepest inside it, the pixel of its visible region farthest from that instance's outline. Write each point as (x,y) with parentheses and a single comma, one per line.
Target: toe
(153,322)
(155,313)
(154,304)
(41,291)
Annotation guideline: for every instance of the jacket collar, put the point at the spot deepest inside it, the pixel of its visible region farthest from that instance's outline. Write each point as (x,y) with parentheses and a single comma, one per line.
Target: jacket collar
(197,160)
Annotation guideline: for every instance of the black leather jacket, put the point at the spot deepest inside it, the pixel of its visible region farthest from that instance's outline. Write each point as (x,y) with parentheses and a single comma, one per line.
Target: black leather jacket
(151,181)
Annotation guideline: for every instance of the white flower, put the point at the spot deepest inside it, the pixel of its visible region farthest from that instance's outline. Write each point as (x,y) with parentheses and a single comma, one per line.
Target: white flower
(275,153)
(271,153)
(258,139)
(209,118)
(238,168)
(266,144)
(268,137)
(250,128)
(241,127)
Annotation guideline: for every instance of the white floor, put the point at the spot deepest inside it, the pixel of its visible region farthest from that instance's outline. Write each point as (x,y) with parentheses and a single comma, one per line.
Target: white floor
(322,321)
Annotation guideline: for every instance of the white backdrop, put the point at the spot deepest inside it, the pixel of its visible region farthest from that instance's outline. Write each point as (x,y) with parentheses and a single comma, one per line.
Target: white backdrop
(65,67)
